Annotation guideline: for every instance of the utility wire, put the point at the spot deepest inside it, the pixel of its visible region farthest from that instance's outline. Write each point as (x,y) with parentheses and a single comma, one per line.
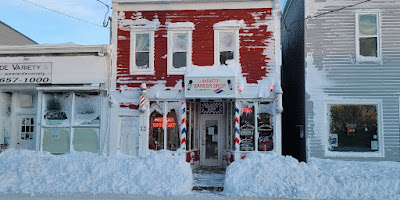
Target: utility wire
(287,27)
(105,21)
(58,12)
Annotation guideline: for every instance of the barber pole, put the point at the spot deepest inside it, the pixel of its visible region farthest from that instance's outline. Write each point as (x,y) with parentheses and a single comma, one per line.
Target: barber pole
(183,126)
(237,126)
(142,102)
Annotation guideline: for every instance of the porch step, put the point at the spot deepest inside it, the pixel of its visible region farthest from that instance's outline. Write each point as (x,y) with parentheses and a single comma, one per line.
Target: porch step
(209,178)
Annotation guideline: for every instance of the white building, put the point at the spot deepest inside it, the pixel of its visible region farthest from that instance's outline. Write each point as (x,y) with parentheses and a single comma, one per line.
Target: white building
(54,97)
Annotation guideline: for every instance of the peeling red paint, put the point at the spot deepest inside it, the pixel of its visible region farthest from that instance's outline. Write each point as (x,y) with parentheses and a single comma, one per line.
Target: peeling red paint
(254,39)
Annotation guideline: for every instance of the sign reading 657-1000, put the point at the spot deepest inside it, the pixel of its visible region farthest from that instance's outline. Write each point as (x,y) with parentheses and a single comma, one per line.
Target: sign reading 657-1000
(25,73)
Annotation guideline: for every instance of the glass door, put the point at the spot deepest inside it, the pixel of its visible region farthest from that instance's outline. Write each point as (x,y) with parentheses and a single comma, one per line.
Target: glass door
(211,149)
(26,132)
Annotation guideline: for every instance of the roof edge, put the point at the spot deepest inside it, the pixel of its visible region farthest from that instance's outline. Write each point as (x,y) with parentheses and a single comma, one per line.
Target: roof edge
(53,48)
(18,32)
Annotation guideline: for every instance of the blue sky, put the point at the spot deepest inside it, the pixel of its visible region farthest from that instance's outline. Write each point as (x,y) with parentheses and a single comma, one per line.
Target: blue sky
(44,26)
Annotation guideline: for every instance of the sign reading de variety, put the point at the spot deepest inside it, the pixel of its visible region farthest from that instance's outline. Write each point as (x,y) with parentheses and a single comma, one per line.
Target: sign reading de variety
(197,87)
(25,73)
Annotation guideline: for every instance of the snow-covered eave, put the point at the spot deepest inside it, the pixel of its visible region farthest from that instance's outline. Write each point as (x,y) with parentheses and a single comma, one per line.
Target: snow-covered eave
(54,48)
(178,1)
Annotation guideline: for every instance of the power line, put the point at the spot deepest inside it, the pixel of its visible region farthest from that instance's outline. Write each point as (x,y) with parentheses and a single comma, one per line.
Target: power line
(58,12)
(287,27)
(105,21)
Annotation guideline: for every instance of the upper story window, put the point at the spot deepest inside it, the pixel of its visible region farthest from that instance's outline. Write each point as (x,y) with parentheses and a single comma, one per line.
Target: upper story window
(142,47)
(179,46)
(142,52)
(368,41)
(226,41)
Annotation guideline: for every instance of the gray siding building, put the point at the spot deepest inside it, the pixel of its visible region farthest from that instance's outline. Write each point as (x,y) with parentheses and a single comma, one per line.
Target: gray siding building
(347,78)
(10,36)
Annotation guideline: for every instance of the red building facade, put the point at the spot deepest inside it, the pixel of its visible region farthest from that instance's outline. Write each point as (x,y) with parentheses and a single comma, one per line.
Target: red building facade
(198,77)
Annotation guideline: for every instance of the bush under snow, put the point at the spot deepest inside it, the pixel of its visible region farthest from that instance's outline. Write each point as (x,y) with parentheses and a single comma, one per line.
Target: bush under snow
(29,172)
(269,175)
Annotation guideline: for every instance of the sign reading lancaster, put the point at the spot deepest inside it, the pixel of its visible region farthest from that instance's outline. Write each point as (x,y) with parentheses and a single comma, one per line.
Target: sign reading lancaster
(25,73)
(196,87)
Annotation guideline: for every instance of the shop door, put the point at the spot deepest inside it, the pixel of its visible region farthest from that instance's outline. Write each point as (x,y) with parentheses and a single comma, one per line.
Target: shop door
(211,151)
(129,134)
(26,137)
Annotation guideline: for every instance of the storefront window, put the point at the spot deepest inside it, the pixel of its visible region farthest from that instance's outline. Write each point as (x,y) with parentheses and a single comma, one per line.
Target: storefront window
(172,131)
(84,124)
(164,127)
(87,108)
(85,139)
(57,108)
(156,134)
(5,120)
(353,128)
(265,126)
(247,127)
(56,140)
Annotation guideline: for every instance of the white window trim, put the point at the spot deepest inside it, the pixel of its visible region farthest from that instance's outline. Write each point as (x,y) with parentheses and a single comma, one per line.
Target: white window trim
(381,151)
(226,26)
(173,28)
(360,58)
(132,66)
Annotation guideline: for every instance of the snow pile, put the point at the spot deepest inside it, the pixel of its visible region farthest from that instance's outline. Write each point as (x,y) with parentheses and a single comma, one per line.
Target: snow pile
(269,175)
(158,173)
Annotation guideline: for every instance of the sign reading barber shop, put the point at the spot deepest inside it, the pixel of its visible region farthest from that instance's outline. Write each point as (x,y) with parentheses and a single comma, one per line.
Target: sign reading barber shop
(25,73)
(196,87)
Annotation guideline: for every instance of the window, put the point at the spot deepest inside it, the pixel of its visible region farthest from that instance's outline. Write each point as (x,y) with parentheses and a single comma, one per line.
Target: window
(247,126)
(226,43)
(179,46)
(5,119)
(226,46)
(71,122)
(353,128)
(265,126)
(368,36)
(164,125)
(142,52)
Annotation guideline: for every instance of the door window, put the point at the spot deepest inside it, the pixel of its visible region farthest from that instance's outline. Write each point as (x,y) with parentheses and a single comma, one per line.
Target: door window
(211,137)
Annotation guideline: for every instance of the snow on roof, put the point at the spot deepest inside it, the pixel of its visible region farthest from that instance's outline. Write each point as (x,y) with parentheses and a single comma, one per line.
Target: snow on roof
(178,1)
(53,48)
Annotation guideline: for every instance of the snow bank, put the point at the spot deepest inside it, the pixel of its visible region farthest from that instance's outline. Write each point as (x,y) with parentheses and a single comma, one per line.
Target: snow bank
(269,175)
(29,172)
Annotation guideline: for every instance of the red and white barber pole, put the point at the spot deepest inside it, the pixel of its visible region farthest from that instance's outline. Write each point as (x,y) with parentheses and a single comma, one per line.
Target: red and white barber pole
(237,126)
(183,126)
(142,102)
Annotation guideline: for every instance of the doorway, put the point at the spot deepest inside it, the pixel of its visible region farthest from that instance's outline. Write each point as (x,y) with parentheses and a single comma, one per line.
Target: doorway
(211,140)
(26,137)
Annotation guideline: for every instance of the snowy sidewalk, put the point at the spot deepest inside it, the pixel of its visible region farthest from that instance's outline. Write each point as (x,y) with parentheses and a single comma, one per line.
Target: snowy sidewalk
(161,175)
(193,196)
